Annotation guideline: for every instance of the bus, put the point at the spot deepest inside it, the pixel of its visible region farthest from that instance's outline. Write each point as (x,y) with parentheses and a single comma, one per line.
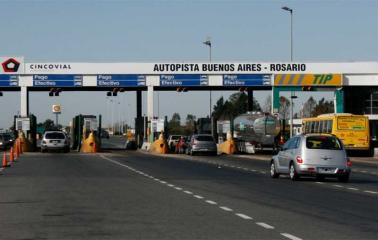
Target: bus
(352,130)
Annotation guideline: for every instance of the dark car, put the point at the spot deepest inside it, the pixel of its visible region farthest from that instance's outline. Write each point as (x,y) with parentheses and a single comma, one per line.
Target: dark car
(6,141)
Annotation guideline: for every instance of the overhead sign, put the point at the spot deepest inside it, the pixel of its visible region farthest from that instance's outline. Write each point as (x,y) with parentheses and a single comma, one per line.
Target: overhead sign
(307,80)
(121,80)
(12,65)
(246,80)
(56,108)
(58,80)
(185,80)
(8,80)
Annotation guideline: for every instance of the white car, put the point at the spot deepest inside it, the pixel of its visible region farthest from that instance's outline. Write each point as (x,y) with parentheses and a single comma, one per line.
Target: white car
(55,140)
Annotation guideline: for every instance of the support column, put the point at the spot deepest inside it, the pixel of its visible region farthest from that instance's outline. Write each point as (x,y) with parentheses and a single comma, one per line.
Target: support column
(275,99)
(150,110)
(24,110)
(139,123)
(250,100)
(339,101)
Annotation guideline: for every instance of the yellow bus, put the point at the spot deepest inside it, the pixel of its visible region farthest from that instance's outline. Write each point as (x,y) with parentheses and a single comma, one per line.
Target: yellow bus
(352,130)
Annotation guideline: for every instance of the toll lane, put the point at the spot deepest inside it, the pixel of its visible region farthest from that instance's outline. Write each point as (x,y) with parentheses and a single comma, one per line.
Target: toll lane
(322,212)
(77,196)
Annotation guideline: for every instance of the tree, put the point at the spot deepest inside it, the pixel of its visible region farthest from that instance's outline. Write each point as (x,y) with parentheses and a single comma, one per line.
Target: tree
(308,107)
(322,107)
(174,125)
(284,107)
(268,104)
(47,125)
(190,124)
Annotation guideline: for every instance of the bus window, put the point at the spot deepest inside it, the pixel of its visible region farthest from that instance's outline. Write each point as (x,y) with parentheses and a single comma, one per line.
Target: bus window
(316,127)
(312,125)
(329,126)
(321,126)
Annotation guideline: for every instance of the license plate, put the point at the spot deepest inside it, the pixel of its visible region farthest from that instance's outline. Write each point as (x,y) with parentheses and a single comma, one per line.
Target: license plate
(326,170)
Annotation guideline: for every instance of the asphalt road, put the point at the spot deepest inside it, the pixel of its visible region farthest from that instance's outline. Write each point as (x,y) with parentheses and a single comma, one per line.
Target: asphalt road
(132,195)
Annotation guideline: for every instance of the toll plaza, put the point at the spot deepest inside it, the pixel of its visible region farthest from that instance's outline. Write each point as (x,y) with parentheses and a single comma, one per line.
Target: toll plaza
(348,80)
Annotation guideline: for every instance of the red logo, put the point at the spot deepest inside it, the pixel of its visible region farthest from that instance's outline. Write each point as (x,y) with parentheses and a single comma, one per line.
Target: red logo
(11,65)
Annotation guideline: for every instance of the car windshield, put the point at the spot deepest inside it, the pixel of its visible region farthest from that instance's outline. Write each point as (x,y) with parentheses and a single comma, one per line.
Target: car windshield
(323,142)
(206,138)
(54,135)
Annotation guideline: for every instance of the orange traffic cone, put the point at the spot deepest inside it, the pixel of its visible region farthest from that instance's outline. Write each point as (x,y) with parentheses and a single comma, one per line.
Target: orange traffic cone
(5,162)
(11,156)
(94,147)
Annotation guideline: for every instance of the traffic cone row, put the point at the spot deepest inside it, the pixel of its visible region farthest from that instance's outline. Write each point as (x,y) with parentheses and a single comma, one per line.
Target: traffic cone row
(14,155)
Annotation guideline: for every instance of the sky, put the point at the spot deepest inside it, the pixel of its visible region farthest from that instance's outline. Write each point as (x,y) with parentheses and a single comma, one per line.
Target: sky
(158,31)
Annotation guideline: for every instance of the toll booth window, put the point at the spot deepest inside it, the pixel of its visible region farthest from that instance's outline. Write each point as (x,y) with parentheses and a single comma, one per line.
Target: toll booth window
(54,136)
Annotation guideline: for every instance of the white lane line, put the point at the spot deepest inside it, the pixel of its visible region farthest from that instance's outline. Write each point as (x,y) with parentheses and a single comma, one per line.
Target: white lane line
(367,191)
(211,202)
(264,225)
(178,188)
(170,185)
(188,192)
(352,188)
(289,236)
(163,182)
(157,179)
(226,209)
(363,171)
(319,182)
(198,196)
(263,172)
(245,169)
(253,170)
(336,185)
(246,217)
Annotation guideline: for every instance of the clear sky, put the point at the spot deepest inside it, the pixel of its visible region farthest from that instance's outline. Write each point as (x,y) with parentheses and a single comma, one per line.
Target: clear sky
(155,31)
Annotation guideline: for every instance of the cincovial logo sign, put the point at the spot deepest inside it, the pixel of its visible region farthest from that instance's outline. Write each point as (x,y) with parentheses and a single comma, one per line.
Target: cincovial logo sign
(10,65)
(49,66)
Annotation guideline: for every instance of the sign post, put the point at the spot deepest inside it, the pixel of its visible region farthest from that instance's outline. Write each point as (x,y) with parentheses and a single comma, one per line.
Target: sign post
(56,109)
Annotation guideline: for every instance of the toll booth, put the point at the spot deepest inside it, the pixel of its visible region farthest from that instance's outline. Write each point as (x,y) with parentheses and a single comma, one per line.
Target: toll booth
(29,126)
(87,122)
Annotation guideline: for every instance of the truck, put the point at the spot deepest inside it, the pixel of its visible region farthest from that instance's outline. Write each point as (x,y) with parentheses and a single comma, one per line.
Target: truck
(255,130)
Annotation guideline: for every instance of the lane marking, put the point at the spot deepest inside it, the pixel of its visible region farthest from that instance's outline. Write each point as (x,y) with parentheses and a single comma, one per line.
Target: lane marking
(246,217)
(352,188)
(263,172)
(188,192)
(336,185)
(211,202)
(367,191)
(226,209)
(198,196)
(178,188)
(264,225)
(170,185)
(253,170)
(163,182)
(289,236)
(319,182)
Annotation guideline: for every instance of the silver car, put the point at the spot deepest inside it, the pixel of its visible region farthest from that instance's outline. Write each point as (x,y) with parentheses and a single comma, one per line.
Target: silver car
(201,143)
(319,155)
(55,140)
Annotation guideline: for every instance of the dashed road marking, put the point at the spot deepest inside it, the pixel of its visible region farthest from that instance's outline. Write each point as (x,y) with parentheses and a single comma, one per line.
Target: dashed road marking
(211,202)
(367,191)
(352,188)
(226,209)
(264,225)
(263,172)
(319,182)
(289,236)
(246,217)
(198,196)
(170,185)
(339,186)
(188,192)
(163,182)
(178,188)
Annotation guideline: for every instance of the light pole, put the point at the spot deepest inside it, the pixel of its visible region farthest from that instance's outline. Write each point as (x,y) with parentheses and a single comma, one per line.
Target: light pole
(292,95)
(208,43)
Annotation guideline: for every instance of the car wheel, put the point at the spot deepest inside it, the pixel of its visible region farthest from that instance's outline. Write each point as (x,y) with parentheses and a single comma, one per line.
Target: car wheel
(273,172)
(344,178)
(293,173)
